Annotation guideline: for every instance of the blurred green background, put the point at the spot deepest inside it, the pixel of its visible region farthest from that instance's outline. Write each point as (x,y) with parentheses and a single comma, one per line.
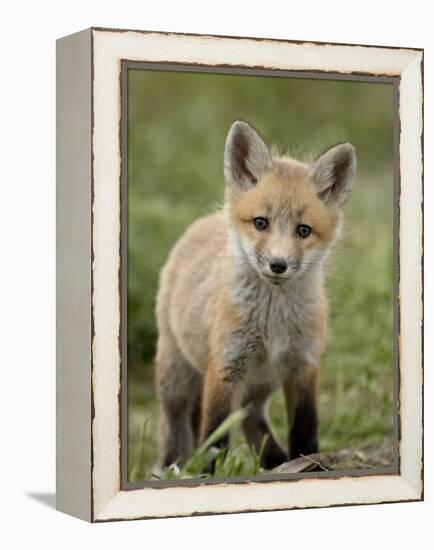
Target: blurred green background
(177,124)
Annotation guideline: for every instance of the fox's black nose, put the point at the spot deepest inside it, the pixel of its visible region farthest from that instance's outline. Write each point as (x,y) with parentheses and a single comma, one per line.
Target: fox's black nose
(278,266)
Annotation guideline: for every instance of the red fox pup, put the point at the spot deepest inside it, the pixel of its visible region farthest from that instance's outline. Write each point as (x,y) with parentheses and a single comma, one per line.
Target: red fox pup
(242,309)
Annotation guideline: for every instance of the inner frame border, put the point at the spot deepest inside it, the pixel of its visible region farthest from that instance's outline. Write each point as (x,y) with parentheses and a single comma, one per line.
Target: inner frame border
(125,66)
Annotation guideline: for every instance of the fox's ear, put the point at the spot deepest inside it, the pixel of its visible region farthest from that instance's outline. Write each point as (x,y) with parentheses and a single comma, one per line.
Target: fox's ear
(333,174)
(246,157)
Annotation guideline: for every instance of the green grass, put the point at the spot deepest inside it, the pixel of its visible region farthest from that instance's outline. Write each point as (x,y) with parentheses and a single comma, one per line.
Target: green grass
(177,126)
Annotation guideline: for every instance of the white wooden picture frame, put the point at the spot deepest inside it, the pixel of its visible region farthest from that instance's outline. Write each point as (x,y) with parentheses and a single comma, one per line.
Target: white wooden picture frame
(90,251)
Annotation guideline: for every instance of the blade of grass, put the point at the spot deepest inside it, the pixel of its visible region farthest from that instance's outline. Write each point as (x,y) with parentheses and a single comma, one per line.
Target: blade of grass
(206,453)
(231,421)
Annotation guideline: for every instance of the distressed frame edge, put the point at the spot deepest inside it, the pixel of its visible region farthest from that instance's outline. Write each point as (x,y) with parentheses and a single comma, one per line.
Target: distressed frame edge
(414,494)
(252,38)
(392,485)
(412,114)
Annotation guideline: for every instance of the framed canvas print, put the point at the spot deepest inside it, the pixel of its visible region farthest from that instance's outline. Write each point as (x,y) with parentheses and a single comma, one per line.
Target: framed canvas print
(239,274)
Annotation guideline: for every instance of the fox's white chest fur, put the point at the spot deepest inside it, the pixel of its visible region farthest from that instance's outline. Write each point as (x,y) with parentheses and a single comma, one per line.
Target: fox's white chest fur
(274,339)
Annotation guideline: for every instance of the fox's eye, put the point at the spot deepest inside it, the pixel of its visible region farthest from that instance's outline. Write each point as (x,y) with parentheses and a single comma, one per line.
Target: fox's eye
(260,223)
(303,231)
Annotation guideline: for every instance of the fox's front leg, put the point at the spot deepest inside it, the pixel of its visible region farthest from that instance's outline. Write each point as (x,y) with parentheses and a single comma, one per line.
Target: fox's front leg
(217,401)
(301,401)
(228,362)
(256,427)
